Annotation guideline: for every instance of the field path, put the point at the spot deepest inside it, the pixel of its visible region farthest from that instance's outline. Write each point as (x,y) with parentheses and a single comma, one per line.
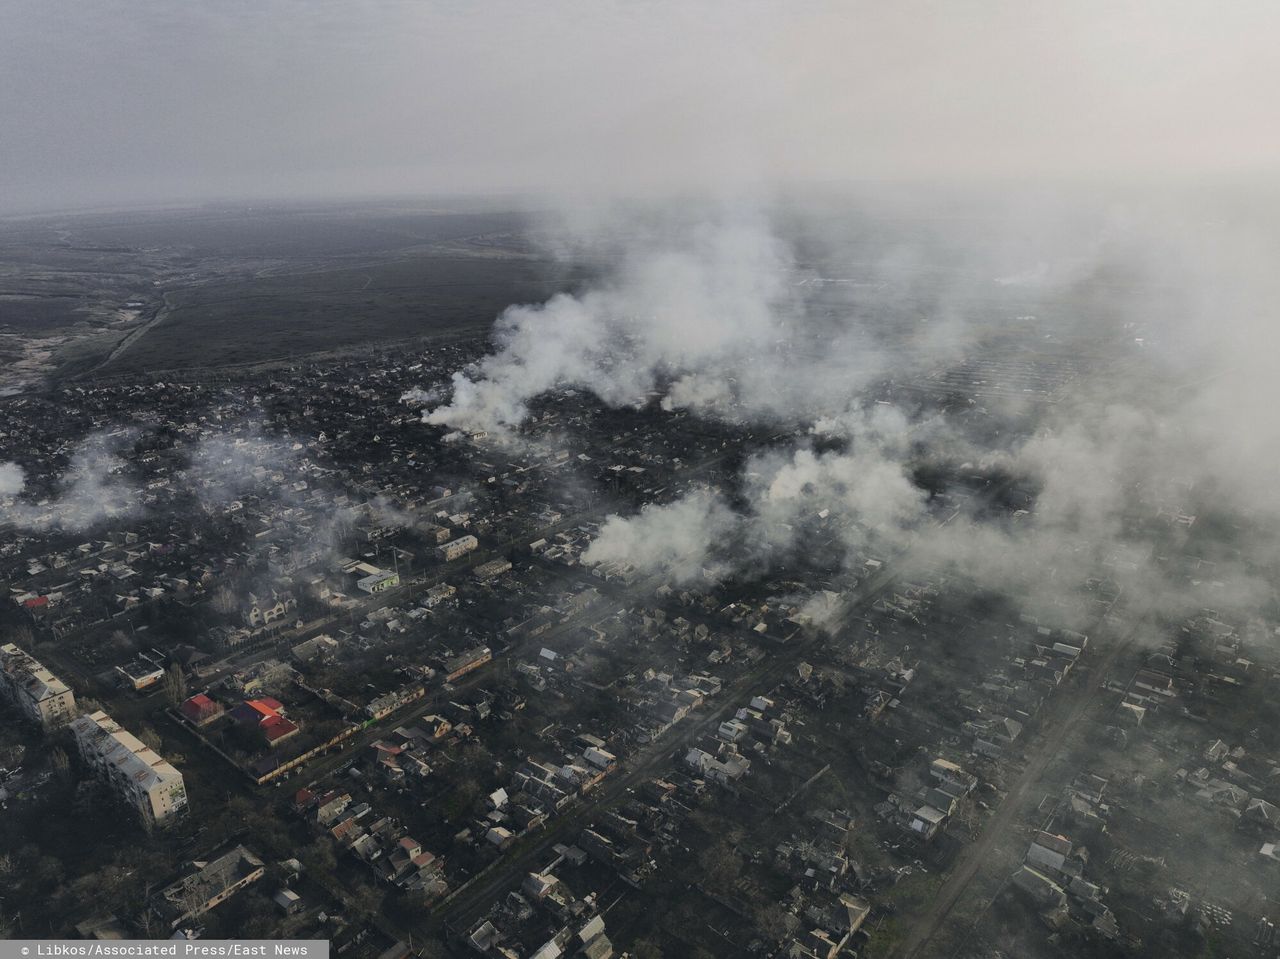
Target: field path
(134,335)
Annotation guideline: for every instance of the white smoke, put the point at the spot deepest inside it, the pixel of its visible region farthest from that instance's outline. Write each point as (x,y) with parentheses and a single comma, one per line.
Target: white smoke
(224,467)
(702,319)
(715,322)
(421,397)
(12,479)
(89,491)
(682,540)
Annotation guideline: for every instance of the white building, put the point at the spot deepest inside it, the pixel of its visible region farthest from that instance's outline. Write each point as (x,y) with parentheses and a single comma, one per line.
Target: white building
(134,771)
(458,547)
(42,696)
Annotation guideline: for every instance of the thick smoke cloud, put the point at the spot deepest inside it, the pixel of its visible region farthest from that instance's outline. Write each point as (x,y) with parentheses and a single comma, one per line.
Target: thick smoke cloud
(701,320)
(1173,421)
(682,540)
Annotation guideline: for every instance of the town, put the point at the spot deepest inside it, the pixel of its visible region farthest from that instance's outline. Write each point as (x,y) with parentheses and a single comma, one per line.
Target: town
(283,660)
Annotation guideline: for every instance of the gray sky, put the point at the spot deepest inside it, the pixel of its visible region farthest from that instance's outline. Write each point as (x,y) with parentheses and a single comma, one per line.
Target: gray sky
(118,101)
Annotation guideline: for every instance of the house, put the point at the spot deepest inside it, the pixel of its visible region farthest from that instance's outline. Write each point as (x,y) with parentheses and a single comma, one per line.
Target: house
(454,549)
(456,667)
(600,758)
(491,570)
(727,771)
(814,944)
(1217,792)
(499,836)
(140,674)
(200,710)
(1048,852)
(926,821)
(289,902)
(267,715)
(1154,681)
(438,594)
(264,612)
(330,807)
(388,703)
(732,730)
(1040,888)
(436,727)
(207,885)
(947,773)
(1262,814)
(319,649)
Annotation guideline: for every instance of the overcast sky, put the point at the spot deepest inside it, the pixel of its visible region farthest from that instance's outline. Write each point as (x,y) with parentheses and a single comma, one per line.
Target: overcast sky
(120,101)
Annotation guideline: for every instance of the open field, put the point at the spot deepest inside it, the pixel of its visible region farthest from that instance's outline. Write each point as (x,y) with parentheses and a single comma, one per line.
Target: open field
(107,294)
(234,322)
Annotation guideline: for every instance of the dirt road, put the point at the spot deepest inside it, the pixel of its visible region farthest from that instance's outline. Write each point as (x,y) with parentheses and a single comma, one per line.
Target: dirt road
(1065,712)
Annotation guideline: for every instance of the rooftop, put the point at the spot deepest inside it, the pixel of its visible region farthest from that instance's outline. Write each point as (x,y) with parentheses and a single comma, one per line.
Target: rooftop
(125,751)
(27,672)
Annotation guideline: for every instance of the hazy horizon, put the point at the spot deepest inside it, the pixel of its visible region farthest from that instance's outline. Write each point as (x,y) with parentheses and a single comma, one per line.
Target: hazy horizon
(135,104)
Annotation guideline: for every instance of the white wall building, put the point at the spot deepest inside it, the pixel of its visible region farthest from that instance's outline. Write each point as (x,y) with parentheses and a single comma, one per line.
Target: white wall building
(42,696)
(458,547)
(136,773)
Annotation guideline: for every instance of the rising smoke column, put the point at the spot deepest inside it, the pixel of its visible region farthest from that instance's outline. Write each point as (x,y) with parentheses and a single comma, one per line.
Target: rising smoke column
(684,539)
(701,317)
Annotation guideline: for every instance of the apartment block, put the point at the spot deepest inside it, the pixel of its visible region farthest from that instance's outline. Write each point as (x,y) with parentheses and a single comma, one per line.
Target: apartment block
(137,773)
(41,696)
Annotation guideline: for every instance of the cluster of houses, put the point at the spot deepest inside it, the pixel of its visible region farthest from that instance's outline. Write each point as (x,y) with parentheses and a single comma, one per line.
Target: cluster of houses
(926,812)
(1247,788)
(754,728)
(538,790)
(380,842)
(543,919)
(1052,878)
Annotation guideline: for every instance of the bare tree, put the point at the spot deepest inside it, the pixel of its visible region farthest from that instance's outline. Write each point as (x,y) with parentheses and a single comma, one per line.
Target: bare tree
(175,685)
(150,738)
(720,863)
(20,635)
(224,602)
(60,764)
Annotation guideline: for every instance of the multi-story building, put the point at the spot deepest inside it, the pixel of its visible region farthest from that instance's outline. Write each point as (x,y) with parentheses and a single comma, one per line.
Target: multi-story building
(40,695)
(208,885)
(456,548)
(494,568)
(136,773)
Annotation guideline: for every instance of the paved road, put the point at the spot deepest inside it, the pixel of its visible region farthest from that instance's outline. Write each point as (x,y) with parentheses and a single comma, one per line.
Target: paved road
(1064,713)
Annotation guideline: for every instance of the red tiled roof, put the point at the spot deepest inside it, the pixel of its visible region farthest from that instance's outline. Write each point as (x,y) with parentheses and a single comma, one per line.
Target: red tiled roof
(277,727)
(267,706)
(198,707)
